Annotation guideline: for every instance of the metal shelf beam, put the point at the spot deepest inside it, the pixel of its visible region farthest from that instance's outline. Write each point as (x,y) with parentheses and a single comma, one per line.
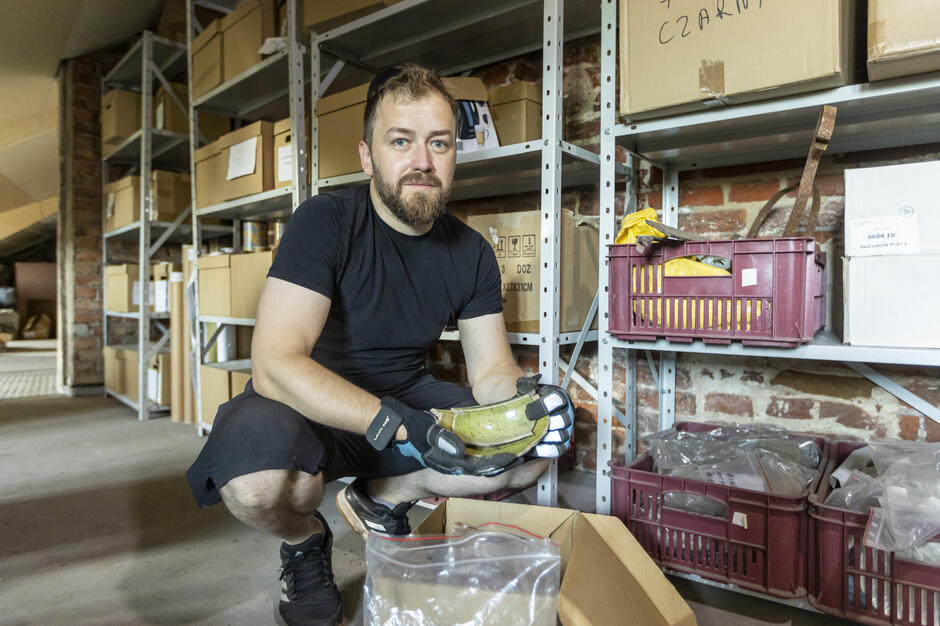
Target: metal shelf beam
(268,205)
(169,56)
(169,151)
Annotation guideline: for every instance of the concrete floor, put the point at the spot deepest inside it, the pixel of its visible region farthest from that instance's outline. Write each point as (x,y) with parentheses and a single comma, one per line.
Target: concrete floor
(97,526)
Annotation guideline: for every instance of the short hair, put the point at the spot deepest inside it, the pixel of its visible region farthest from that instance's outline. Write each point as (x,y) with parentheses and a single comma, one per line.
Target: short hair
(410,81)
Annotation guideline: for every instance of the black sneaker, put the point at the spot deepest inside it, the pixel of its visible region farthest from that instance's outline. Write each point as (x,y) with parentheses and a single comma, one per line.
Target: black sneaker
(365,516)
(309,596)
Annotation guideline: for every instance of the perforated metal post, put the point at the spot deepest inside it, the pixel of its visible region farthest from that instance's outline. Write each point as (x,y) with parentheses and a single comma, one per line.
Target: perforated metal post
(667,360)
(146,147)
(295,64)
(550,223)
(605,356)
(314,120)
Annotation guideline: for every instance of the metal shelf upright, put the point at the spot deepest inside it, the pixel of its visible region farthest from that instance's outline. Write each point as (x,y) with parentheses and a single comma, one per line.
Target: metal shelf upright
(899,112)
(149,60)
(268,90)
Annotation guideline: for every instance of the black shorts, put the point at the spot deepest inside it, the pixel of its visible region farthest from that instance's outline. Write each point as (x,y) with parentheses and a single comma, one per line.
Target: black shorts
(252,433)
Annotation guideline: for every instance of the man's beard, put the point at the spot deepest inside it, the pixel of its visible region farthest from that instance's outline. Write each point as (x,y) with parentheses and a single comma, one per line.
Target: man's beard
(419,209)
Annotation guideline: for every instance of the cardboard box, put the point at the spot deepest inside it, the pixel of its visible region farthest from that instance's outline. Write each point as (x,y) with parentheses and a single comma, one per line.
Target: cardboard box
(475,128)
(170,195)
(119,281)
(168,116)
(239,380)
(243,32)
(172,24)
(892,210)
(210,174)
(515,239)
(120,117)
(207,60)
(217,386)
(231,284)
(113,370)
(517,112)
(121,374)
(248,155)
(631,585)
(215,280)
(283,153)
(159,380)
(122,202)
(903,38)
(678,56)
(323,15)
(888,301)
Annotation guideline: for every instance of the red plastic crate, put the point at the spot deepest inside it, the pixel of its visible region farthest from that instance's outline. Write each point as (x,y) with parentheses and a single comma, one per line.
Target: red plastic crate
(768,556)
(775,295)
(852,581)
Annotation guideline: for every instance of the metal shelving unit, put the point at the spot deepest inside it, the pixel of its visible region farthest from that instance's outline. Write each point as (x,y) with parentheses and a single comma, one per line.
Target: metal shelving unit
(149,60)
(271,90)
(878,115)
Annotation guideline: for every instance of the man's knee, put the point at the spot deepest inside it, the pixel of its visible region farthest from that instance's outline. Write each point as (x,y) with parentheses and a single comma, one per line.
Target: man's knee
(271,490)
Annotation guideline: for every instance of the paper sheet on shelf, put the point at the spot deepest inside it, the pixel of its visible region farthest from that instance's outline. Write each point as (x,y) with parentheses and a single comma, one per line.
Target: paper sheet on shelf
(241,159)
(285,164)
(159,117)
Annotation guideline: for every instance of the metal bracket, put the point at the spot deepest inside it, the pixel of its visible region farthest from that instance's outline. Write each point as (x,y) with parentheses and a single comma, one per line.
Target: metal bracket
(172,229)
(896,390)
(155,348)
(212,340)
(173,96)
(585,328)
(330,77)
(653,370)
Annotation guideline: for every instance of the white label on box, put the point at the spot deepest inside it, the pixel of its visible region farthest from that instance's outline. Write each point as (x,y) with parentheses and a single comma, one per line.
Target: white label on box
(135,299)
(241,159)
(875,236)
(158,117)
(739,519)
(285,164)
(153,385)
(110,208)
(749,277)
(161,302)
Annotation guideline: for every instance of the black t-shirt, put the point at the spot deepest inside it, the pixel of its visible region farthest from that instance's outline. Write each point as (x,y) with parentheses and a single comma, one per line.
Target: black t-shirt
(392,294)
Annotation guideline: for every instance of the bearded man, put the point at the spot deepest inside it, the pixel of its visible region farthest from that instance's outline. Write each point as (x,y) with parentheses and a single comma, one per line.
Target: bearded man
(363,282)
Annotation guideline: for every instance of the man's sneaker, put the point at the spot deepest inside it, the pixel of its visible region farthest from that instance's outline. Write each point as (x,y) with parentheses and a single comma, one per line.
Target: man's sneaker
(309,596)
(365,515)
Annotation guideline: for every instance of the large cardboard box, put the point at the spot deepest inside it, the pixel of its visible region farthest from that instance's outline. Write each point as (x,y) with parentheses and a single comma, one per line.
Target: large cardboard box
(323,15)
(515,239)
(207,59)
(632,588)
(120,117)
(283,153)
(248,154)
(231,284)
(210,174)
(217,386)
(243,32)
(903,38)
(124,374)
(170,195)
(168,116)
(119,282)
(681,56)
(892,210)
(113,370)
(517,112)
(215,281)
(122,202)
(888,301)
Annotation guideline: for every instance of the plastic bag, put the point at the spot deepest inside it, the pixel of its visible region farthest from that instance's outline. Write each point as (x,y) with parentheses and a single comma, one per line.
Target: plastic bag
(695,503)
(634,224)
(493,574)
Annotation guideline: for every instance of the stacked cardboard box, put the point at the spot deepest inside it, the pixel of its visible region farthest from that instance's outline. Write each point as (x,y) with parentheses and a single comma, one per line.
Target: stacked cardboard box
(283,152)
(123,288)
(892,249)
(220,383)
(120,117)
(168,116)
(121,374)
(169,194)
(248,155)
(231,284)
(517,112)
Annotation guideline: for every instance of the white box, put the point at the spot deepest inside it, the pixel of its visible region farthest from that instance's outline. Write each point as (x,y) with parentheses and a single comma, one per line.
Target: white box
(893,210)
(892,301)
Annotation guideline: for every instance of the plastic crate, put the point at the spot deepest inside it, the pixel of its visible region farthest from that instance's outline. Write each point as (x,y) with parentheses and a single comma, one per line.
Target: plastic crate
(775,295)
(761,545)
(852,581)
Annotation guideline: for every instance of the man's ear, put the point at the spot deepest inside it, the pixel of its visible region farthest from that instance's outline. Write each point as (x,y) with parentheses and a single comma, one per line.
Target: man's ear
(365,157)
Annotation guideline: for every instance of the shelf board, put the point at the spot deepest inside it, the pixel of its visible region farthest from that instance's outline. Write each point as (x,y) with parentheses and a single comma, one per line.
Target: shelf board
(154,408)
(268,205)
(504,170)
(527,339)
(258,93)
(234,321)
(231,366)
(453,35)
(136,315)
(36,233)
(871,116)
(169,150)
(825,347)
(169,56)
(183,234)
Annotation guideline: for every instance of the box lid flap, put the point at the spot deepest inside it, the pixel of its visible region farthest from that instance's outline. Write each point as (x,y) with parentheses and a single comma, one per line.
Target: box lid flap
(466,88)
(514,91)
(246,132)
(209,31)
(343,99)
(213,261)
(208,150)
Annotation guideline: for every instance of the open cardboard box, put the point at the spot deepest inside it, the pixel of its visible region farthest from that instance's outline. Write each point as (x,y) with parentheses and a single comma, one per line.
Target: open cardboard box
(607,577)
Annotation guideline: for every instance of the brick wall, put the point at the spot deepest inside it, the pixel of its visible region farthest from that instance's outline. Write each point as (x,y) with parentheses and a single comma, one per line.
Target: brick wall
(826,398)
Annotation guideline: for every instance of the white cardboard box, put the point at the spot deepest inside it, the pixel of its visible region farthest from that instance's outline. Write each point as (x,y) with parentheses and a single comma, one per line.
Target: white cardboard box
(892,301)
(892,210)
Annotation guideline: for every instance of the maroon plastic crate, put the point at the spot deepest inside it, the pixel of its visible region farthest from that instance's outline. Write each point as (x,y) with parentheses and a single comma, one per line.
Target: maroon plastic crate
(863,584)
(760,545)
(775,295)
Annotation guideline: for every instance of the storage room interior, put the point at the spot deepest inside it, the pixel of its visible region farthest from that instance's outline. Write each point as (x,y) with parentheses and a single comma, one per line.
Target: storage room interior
(717,232)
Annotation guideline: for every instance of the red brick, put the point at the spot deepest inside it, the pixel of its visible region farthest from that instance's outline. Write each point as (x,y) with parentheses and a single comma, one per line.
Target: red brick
(701,196)
(685,404)
(87,318)
(729,404)
(848,415)
(89,280)
(85,343)
(722,221)
(754,191)
(933,430)
(790,408)
(909,427)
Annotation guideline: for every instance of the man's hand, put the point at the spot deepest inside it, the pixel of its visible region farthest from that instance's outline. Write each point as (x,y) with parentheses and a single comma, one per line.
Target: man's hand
(554,402)
(438,448)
